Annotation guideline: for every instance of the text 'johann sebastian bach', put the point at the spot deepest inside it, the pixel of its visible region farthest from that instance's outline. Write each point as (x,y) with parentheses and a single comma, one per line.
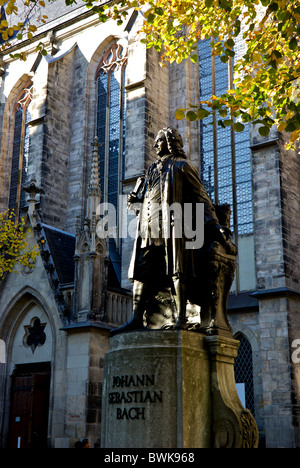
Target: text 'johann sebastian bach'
(133,393)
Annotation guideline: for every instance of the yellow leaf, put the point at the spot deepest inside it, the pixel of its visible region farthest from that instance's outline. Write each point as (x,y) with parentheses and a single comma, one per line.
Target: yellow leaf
(295,136)
(179,114)
(281,127)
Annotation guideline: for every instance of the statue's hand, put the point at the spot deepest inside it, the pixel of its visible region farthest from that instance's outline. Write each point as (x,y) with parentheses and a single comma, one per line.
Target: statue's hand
(134,203)
(223,233)
(133,198)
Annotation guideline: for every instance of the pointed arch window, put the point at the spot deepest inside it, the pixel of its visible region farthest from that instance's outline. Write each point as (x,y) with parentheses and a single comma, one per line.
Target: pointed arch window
(111,122)
(225,161)
(111,133)
(243,370)
(20,150)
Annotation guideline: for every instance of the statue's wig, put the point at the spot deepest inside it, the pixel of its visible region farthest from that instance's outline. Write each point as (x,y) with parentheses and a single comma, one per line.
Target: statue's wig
(174,141)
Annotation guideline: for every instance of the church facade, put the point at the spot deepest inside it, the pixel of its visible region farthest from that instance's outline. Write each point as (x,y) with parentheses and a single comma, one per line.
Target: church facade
(77,128)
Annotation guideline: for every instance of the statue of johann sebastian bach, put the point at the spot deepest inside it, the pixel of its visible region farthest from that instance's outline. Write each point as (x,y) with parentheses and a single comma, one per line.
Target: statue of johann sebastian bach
(160,258)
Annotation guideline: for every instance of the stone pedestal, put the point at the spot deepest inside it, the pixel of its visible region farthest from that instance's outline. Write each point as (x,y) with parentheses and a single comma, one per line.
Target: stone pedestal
(172,389)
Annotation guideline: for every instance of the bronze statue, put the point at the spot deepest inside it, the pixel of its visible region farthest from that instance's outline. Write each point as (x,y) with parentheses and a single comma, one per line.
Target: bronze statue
(162,267)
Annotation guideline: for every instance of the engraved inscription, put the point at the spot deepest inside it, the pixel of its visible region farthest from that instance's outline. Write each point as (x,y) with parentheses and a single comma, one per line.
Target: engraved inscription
(133,391)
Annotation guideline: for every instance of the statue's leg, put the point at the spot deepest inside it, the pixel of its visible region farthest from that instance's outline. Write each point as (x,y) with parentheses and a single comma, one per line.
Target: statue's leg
(180,302)
(140,295)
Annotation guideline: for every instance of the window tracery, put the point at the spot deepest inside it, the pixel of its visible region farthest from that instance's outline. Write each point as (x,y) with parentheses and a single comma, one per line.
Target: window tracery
(111,128)
(19,149)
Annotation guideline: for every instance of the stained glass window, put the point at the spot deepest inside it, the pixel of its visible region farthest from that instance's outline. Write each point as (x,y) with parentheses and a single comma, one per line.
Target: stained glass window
(20,153)
(111,122)
(242,149)
(111,132)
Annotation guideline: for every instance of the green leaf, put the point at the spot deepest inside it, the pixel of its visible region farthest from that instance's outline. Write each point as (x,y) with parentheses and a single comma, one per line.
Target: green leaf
(224,58)
(151,18)
(191,116)
(228,122)
(238,127)
(237,27)
(216,104)
(225,4)
(246,117)
(293,44)
(223,112)
(202,113)
(291,127)
(194,58)
(159,11)
(230,43)
(273,6)
(264,131)
(229,53)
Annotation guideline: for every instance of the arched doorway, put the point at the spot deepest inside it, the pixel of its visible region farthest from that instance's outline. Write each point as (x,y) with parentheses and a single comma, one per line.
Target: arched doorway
(29,376)
(29,406)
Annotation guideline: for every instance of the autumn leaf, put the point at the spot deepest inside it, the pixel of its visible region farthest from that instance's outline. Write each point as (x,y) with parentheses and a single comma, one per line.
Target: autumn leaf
(14,247)
(266,74)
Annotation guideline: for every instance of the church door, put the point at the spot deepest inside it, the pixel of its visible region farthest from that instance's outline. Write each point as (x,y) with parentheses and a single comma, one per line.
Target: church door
(29,406)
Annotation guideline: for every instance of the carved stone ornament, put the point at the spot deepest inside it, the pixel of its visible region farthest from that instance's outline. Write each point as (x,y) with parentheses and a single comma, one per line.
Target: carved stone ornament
(24,97)
(114,58)
(35,335)
(233,425)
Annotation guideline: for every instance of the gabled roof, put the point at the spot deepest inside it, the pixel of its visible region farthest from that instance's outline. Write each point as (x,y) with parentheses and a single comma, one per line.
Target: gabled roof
(53,9)
(62,246)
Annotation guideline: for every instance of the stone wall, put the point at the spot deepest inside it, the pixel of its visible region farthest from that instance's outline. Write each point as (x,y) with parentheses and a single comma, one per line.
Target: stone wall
(270,270)
(276,228)
(56,150)
(78,170)
(184,90)
(289,165)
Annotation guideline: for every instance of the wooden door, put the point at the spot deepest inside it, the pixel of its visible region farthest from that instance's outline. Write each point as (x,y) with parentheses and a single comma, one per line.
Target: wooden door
(29,408)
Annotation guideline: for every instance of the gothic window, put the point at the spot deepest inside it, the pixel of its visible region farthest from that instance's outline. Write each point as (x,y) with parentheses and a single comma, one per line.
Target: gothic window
(20,151)
(111,123)
(243,370)
(214,75)
(111,132)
